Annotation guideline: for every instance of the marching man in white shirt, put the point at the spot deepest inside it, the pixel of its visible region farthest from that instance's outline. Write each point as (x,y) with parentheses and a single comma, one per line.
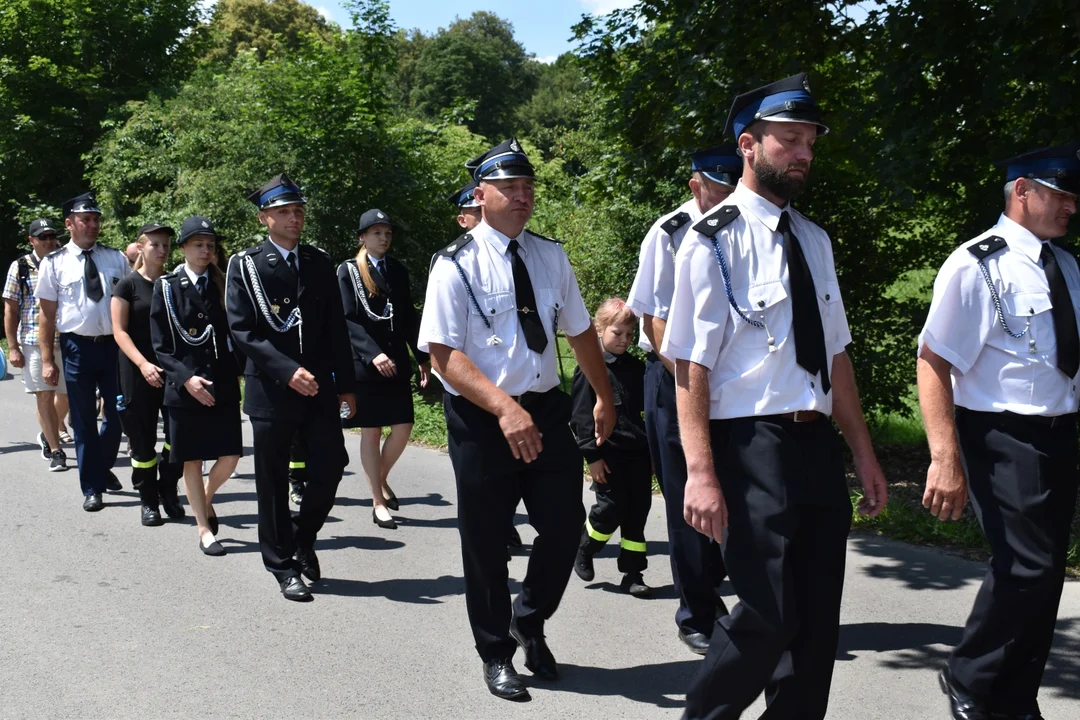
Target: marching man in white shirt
(495,299)
(757,332)
(75,286)
(997,368)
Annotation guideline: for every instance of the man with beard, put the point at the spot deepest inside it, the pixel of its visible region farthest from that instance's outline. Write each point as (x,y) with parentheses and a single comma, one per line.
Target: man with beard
(757,333)
(998,360)
(697,567)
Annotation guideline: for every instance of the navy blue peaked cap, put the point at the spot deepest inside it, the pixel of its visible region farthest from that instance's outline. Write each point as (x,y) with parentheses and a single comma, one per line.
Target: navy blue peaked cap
(279,191)
(502,162)
(1056,167)
(721,164)
(787,100)
(87,203)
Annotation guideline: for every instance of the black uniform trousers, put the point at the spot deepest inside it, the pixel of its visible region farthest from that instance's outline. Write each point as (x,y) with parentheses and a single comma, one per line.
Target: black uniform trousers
(623,504)
(319,428)
(789,513)
(1022,482)
(490,483)
(298,461)
(139,412)
(697,564)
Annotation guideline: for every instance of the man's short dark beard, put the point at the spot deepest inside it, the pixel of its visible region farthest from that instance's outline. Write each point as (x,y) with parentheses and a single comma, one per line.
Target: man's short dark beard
(776,180)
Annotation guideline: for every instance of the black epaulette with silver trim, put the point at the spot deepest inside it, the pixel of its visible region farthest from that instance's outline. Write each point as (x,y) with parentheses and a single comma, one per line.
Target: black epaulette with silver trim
(717,220)
(451,250)
(676,221)
(57,251)
(987,247)
(541,237)
(253,250)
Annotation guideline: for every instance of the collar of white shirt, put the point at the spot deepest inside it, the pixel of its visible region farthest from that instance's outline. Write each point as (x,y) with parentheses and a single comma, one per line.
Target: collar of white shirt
(192,274)
(762,209)
(499,241)
(285,253)
(76,250)
(1019,238)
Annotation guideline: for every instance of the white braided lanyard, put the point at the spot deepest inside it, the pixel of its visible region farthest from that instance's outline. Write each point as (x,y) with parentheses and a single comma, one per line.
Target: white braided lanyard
(997,308)
(258,298)
(188,336)
(361,295)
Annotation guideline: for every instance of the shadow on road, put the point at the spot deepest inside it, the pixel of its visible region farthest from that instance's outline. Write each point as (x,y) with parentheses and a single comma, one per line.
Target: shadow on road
(919,646)
(432,499)
(662,685)
(19,447)
(423,591)
(918,568)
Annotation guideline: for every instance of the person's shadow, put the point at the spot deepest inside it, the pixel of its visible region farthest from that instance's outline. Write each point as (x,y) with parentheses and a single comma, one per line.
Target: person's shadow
(662,685)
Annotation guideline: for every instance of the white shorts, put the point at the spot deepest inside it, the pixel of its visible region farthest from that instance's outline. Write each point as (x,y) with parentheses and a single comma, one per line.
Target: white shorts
(32,371)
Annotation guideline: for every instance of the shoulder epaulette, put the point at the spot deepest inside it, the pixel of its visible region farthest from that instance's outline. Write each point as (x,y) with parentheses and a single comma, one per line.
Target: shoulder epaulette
(676,221)
(306,251)
(716,220)
(541,237)
(254,250)
(452,249)
(57,251)
(987,246)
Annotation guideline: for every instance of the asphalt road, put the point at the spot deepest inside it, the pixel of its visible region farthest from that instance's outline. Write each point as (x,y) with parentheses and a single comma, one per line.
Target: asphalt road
(103,618)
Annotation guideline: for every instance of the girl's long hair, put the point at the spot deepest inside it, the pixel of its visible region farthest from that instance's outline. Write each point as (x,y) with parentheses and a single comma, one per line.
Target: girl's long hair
(365,271)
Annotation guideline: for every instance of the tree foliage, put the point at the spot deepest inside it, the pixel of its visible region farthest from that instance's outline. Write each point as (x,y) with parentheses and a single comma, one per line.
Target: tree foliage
(267,27)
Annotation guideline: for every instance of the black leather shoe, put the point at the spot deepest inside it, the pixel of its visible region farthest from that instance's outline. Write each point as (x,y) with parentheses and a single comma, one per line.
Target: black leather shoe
(583,566)
(150,516)
(961,704)
(515,539)
(112,483)
(392,502)
(172,505)
(634,584)
(390,524)
(212,521)
(538,657)
(503,681)
(214,549)
(309,563)
(93,503)
(1020,716)
(295,589)
(697,642)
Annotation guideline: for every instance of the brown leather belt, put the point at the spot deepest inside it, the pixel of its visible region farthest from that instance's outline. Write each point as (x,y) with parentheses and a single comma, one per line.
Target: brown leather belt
(800,416)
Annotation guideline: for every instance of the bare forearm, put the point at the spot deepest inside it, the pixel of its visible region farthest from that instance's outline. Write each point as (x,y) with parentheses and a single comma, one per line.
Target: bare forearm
(847,409)
(11,324)
(692,400)
(655,328)
(458,370)
(937,406)
(586,349)
(47,329)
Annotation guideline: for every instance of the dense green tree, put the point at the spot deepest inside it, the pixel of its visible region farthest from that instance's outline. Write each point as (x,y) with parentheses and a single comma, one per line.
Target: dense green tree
(474,73)
(264,26)
(558,105)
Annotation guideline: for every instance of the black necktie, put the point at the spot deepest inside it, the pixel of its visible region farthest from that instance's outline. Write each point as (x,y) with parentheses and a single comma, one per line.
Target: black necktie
(91,277)
(201,285)
(381,267)
(806,318)
(1068,342)
(292,266)
(535,336)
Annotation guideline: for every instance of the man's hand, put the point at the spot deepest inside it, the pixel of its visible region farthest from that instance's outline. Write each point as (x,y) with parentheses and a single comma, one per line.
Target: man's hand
(347,399)
(384,365)
(425,374)
(875,490)
(946,489)
(520,432)
(703,504)
(304,383)
(198,388)
(153,374)
(15,357)
(50,373)
(599,470)
(603,420)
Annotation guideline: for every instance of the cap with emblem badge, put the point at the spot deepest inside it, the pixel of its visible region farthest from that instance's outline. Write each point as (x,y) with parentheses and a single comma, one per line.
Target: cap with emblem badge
(85,203)
(41,226)
(721,164)
(196,225)
(503,162)
(374,217)
(154,227)
(279,191)
(787,100)
(1055,167)
(463,198)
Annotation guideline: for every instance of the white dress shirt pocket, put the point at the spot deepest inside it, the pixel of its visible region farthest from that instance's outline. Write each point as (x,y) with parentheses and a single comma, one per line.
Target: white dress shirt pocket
(69,288)
(763,303)
(499,312)
(1019,308)
(551,304)
(828,295)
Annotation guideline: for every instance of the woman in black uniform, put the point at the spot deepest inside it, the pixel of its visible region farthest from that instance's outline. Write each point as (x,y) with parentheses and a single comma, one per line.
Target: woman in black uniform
(202,391)
(142,381)
(382,326)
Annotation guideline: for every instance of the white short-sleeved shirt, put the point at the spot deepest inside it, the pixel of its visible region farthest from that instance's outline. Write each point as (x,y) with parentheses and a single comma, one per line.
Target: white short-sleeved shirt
(745,379)
(655,279)
(993,371)
(60,279)
(450,318)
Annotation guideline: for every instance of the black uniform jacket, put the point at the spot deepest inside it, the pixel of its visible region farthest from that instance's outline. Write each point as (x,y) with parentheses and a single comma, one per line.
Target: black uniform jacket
(272,356)
(181,360)
(368,337)
(627,376)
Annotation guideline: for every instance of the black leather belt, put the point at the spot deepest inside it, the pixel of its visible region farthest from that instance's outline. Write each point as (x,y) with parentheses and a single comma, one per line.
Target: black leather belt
(96,339)
(799,416)
(528,398)
(1049,421)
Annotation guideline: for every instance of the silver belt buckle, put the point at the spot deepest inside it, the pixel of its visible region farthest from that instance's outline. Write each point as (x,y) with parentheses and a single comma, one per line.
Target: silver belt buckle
(800,416)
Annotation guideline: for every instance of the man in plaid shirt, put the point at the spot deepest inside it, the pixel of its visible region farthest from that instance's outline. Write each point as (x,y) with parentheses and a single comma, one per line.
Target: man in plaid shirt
(24,349)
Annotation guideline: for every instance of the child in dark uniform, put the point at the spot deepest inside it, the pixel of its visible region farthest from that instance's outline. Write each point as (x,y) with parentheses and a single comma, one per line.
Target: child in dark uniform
(620,468)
